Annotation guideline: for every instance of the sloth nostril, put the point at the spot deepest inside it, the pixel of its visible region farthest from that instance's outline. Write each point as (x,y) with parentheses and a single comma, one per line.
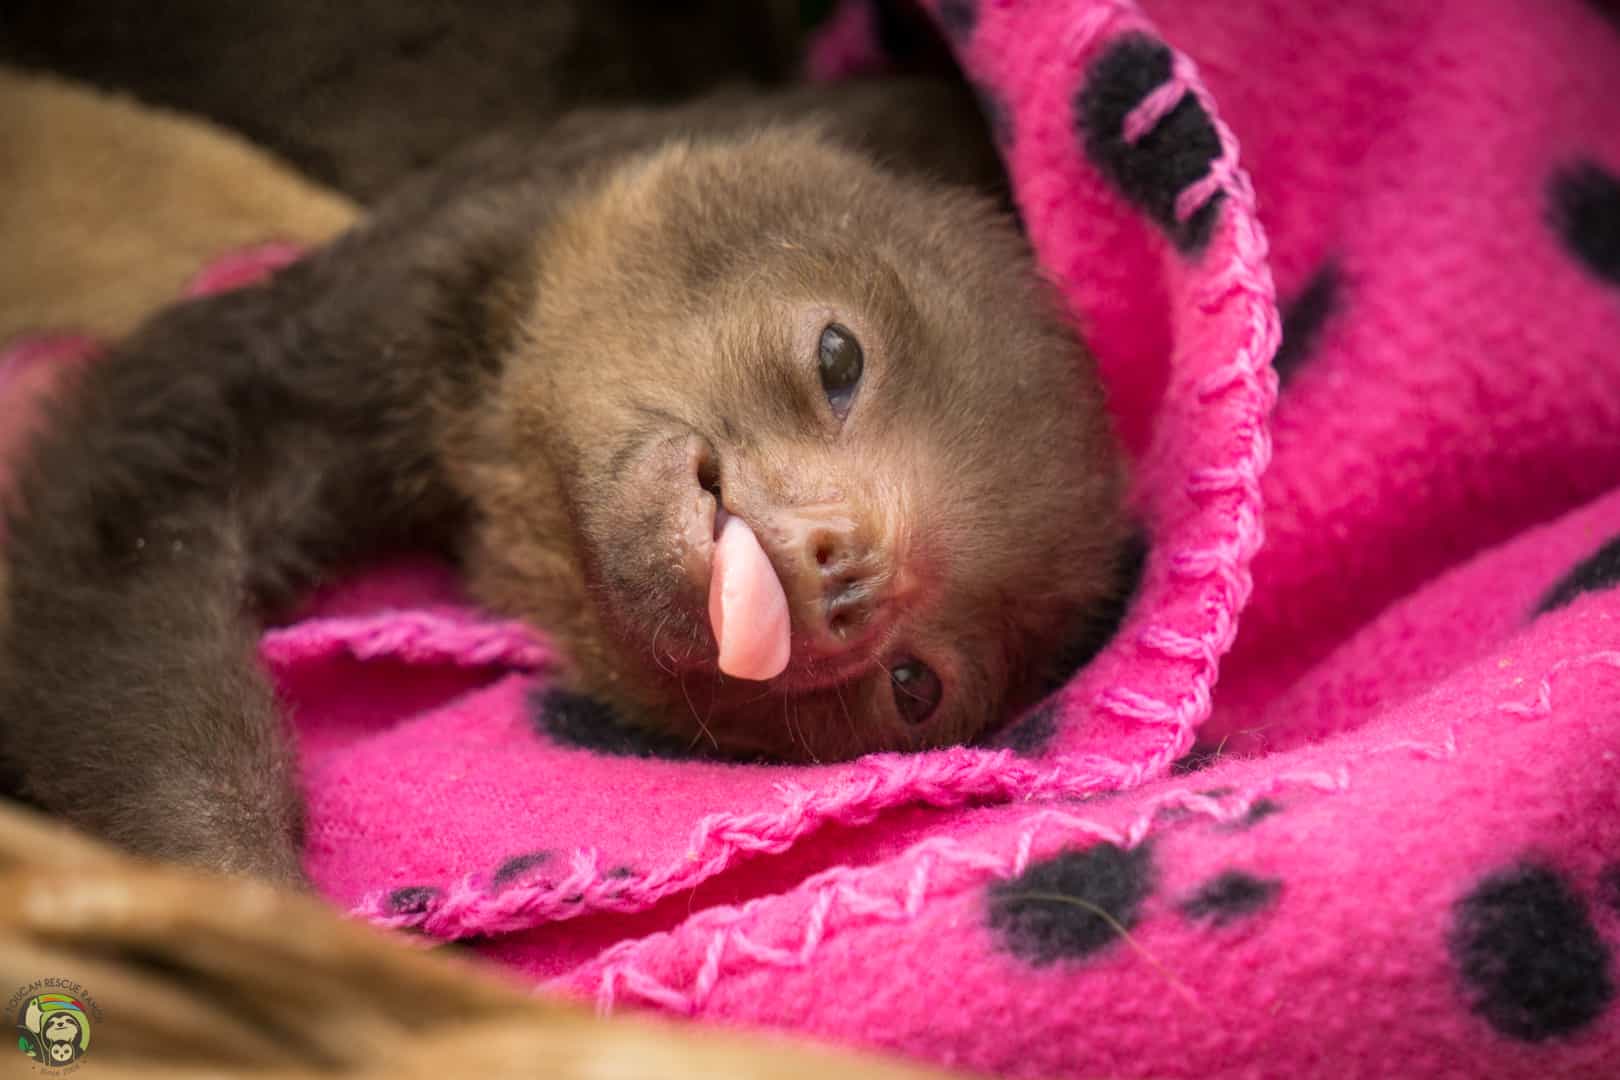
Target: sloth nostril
(849,607)
(708,475)
(835,579)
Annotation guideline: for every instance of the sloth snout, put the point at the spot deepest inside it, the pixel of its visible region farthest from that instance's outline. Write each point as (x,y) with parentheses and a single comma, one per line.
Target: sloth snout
(833,575)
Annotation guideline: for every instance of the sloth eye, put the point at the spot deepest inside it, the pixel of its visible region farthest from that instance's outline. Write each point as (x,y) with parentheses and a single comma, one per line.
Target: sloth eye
(841,363)
(917,690)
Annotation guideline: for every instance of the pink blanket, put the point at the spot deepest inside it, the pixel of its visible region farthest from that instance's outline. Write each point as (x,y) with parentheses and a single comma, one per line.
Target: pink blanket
(1394,849)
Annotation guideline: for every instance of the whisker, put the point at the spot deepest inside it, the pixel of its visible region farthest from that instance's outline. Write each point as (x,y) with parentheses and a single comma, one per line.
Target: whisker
(705,723)
(657,659)
(803,741)
(849,719)
(767,692)
(703,731)
(1104,916)
(786,721)
(703,728)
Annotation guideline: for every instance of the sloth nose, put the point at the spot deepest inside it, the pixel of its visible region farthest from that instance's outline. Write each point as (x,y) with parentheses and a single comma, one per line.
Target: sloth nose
(833,578)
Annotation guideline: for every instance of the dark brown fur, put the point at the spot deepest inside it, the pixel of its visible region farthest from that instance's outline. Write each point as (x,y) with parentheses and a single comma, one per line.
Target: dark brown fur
(360,94)
(510,362)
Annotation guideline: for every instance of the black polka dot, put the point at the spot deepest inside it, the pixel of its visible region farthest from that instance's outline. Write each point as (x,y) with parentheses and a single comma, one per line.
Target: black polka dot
(583,723)
(1030,734)
(1533,965)
(1585,210)
(1073,904)
(1302,320)
(621,872)
(1608,9)
(959,17)
(1595,573)
(1609,887)
(517,866)
(412,899)
(1155,170)
(1230,896)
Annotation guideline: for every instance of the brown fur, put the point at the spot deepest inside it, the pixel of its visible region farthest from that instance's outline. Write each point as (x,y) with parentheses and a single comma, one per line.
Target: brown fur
(358,95)
(536,358)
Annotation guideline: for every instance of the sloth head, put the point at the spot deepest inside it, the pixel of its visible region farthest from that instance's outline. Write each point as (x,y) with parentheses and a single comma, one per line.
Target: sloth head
(868,372)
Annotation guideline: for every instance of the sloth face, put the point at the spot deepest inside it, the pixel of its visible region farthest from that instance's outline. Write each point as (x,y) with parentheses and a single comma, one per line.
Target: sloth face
(868,373)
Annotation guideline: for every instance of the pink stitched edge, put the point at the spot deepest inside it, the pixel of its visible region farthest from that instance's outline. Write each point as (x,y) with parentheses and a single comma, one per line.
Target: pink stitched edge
(1542,704)
(951,778)
(1244,278)
(842,903)
(719,840)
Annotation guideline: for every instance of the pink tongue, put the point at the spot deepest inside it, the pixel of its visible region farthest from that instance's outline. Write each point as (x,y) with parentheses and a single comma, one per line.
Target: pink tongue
(747,607)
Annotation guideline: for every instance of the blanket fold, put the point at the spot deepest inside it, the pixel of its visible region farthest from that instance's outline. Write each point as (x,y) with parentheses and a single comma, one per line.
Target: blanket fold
(1385,844)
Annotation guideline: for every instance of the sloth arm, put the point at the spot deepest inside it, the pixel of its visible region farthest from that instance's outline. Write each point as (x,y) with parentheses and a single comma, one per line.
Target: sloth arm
(234,452)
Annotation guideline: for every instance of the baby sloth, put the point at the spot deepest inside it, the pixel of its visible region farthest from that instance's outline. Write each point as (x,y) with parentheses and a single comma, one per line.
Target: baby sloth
(775,431)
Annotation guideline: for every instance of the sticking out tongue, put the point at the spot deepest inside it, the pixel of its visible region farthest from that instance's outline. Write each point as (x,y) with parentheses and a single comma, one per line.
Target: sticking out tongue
(747,607)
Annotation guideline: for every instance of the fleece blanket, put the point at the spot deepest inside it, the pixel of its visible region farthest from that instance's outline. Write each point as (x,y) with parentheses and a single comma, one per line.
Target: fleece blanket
(1386,844)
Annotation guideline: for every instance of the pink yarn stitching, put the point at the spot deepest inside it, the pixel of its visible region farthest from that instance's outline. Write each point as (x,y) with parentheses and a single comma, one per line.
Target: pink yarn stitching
(1542,704)
(468,908)
(1245,278)
(1155,107)
(1184,77)
(840,891)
